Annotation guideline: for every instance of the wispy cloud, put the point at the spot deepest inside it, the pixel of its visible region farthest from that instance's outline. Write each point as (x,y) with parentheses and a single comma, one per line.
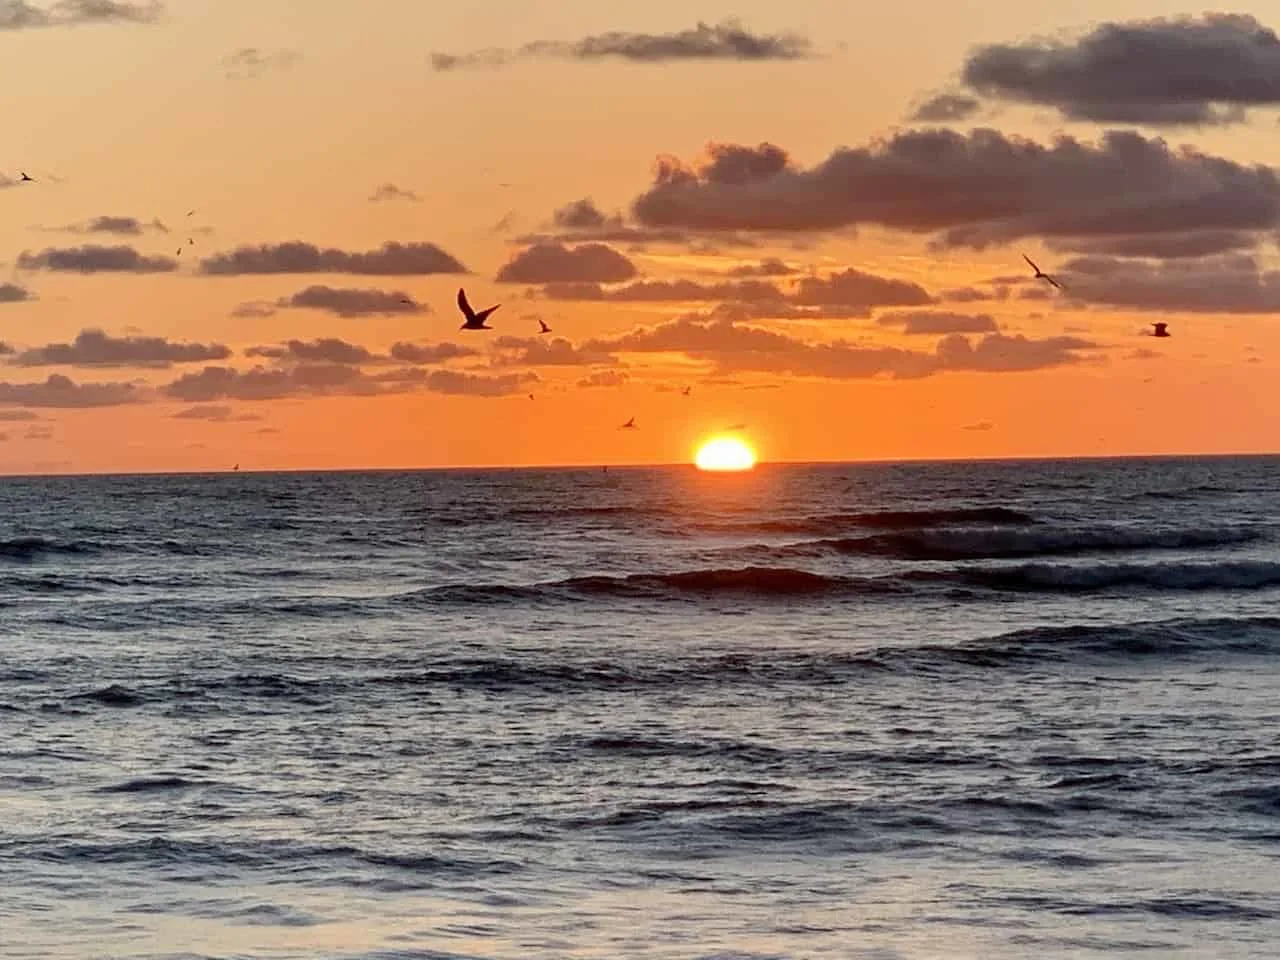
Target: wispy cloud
(728,40)
(92,258)
(354,302)
(389,191)
(21,15)
(392,259)
(253,62)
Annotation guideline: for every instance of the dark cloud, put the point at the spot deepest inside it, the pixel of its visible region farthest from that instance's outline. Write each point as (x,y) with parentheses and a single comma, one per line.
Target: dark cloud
(430,353)
(96,348)
(324,350)
(389,191)
(937,321)
(117,225)
(769,267)
(354,302)
(1231,283)
(225,383)
(254,61)
(1196,71)
(1169,246)
(668,291)
(538,351)
(604,378)
(728,40)
(946,108)
(972,190)
(392,259)
(92,258)
(853,288)
(584,215)
(254,309)
(22,15)
(733,348)
(215,413)
(63,392)
(556,263)
(974,294)
(12,293)
(474,385)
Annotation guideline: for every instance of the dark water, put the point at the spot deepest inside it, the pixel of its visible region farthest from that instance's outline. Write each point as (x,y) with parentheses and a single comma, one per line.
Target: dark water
(929,711)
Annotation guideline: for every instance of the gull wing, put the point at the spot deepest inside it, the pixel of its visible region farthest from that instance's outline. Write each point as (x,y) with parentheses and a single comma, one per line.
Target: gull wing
(464,306)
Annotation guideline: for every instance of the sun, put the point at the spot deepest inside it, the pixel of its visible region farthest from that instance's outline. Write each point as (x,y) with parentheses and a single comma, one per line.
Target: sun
(725,453)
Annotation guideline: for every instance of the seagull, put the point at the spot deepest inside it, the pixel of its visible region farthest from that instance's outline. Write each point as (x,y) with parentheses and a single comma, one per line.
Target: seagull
(190,213)
(1161,330)
(26,179)
(543,324)
(1040,274)
(629,425)
(475,321)
(531,396)
(686,391)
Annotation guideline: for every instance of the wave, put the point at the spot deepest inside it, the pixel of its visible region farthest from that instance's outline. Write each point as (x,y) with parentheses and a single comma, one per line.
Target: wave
(993,544)
(1052,578)
(883,520)
(30,548)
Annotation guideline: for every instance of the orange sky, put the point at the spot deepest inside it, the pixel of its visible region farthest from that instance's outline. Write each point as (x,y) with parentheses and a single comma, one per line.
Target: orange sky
(154,115)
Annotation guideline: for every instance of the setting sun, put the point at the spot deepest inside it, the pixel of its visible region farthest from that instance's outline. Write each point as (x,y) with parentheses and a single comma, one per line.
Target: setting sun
(725,453)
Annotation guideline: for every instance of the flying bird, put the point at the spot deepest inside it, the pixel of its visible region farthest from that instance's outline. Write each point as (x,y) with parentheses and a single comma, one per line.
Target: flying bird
(629,425)
(1161,330)
(475,321)
(1040,274)
(543,324)
(26,179)
(686,391)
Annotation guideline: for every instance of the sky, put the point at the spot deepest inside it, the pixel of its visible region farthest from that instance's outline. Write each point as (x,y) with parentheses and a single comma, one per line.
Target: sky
(800,223)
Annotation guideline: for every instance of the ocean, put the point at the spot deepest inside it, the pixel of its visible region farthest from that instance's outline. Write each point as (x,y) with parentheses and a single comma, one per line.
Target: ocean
(949,710)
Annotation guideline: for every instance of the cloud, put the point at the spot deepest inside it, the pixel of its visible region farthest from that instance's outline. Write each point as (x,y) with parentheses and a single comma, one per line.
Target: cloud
(254,309)
(352,302)
(556,263)
(95,348)
(1169,246)
(973,294)
(728,40)
(92,258)
(971,190)
(323,350)
(1231,283)
(584,215)
(12,416)
(604,378)
(769,267)
(537,351)
(254,61)
(667,291)
(946,108)
(22,15)
(732,348)
(38,433)
(12,293)
(63,392)
(215,413)
(259,383)
(934,322)
(430,353)
(392,259)
(1138,72)
(854,288)
(472,385)
(980,426)
(117,225)
(389,191)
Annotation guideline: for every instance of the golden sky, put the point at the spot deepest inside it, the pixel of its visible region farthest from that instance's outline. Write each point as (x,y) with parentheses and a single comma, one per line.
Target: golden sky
(835,276)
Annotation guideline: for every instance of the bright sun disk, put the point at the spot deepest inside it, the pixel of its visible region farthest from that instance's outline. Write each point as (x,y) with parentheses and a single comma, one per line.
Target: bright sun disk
(725,453)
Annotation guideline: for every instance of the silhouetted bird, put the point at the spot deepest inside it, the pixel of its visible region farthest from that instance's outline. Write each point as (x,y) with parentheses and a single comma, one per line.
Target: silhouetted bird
(1161,330)
(686,391)
(475,321)
(1040,274)
(26,179)
(543,324)
(629,425)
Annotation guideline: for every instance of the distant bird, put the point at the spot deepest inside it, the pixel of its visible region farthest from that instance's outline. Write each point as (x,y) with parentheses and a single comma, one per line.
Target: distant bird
(686,391)
(1161,330)
(475,321)
(236,467)
(191,213)
(26,179)
(543,324)
(178,252)
(629,425)
(1040,274)
(531,396)
(190,242)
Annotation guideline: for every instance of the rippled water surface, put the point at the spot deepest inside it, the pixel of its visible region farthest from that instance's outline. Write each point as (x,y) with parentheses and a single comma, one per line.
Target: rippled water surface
(919,711)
